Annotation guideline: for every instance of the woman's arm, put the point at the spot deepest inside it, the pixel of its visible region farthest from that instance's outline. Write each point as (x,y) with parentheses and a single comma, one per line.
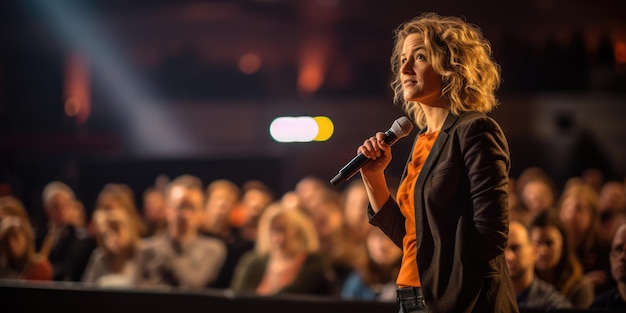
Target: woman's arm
(486,156)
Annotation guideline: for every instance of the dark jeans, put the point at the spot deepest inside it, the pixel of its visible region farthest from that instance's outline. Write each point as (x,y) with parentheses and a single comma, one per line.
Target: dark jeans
(411,300)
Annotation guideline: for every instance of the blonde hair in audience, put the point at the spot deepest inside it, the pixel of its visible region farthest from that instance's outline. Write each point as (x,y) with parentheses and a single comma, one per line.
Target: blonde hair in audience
(302,237)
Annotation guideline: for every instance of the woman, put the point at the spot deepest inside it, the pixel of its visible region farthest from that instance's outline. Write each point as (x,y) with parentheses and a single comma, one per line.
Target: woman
(285,259)
(121,196)
(578,210)
(374,279)
(536,192)
(112,263)
(556,263)
(450,215)
(18,259)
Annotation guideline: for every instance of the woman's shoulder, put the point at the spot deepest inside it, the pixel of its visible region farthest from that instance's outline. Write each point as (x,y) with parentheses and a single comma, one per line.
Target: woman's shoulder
(473,122)
(475,117)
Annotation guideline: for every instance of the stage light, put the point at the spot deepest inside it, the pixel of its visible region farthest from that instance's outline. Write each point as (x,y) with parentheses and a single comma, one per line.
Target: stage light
(249,63)
(301,128)
(326,128)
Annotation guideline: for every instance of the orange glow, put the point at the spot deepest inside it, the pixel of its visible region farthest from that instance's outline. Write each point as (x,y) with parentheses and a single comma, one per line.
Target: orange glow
(77,88)
(313,61)
(310,78)
(249,63)
(72,106)
(620,52)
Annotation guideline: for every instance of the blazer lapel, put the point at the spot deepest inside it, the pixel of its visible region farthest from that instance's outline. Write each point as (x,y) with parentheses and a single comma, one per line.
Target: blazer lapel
(431,160)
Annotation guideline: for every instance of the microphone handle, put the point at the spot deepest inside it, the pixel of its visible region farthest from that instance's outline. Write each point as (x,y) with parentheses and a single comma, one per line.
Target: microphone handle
(350,169)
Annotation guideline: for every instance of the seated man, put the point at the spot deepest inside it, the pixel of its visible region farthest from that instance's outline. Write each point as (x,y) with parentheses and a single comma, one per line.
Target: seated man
(181,257)
(531,292)
(615,298)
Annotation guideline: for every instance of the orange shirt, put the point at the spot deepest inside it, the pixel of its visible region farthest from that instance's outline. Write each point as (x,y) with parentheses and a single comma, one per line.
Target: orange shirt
(409,276)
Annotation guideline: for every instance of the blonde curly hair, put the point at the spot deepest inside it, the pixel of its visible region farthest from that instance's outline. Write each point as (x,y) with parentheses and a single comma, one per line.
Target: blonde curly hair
(459,53)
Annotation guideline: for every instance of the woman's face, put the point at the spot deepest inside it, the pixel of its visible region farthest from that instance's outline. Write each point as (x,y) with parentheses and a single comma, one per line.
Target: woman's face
(355,210)
(576,214)
(381,249)
(18,245)
(537,196)
(549,243)
(279,233)
(420,82)
(114,230)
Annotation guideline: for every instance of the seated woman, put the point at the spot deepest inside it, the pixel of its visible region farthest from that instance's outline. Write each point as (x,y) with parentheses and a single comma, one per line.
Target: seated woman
(285,258)
(112,263)
(556,262)
(375,279)
(18,259)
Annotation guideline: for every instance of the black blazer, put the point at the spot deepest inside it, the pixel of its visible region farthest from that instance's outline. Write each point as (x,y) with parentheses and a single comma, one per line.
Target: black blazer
(462,220)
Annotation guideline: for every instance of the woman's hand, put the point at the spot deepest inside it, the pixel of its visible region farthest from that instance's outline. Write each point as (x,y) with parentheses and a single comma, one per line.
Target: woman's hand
(378,152)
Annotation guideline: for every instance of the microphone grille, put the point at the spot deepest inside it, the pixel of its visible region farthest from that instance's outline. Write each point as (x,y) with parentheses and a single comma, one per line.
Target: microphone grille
(402,126)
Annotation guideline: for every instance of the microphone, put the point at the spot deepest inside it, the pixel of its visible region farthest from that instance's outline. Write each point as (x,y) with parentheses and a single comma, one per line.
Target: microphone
(399,129)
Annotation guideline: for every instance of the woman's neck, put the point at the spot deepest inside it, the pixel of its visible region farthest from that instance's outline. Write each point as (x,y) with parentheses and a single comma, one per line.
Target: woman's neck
(435,117)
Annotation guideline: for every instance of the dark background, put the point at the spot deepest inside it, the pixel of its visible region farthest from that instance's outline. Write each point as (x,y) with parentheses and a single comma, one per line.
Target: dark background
(166,95)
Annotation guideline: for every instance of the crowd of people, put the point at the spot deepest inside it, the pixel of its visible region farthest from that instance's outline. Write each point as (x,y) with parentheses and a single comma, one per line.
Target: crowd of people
(314,240)
(565,245)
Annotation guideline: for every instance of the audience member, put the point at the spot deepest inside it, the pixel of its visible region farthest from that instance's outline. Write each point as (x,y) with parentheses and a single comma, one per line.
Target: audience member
(531,291)
(593,177)
(12,206)
(578,209)
(375,278)
(113,263)
(612,207)
(222,197)
(286,257)
(342,255)
(18,259)
(615,298)
(536,191)
(256,196)
(354,204)
(556,262)
(308,189)
(182,257)
(612,197)
(65,244)
(121,196)
(153,209)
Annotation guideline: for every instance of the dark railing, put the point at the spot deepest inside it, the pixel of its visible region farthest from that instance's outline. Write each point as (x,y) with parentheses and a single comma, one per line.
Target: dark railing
(74,297)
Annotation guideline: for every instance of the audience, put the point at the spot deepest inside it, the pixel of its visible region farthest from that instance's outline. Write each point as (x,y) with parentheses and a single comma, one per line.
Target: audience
(222,197)
(335,246)
(256,196)
(181,258)
(531,291)
(556,263)
(153,209)
(12,206)
(615,298)
(354,205)
(612,207)
(18,259)
(64,243)
(535,192)
(578,209)
(285,259)
(113,263)
(563,252)
(121,196)
(375,277)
